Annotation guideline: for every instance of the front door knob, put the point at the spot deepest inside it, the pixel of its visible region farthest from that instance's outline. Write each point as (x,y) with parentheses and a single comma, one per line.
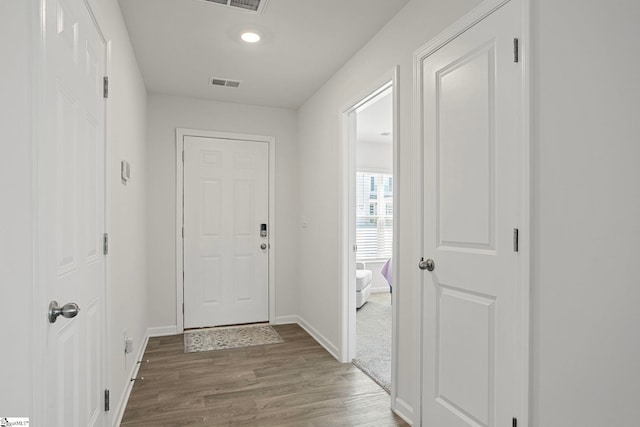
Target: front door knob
(428,265)
(68,311)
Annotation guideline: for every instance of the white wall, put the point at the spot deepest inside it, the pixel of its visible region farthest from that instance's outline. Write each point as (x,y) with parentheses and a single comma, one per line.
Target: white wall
(319,129)
(586,281)
(126,137)
(166,113)
(374,156)
(16,210)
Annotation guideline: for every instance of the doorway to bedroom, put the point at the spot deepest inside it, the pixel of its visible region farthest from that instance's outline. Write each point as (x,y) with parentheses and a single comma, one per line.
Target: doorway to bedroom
(374,236)
(369,145)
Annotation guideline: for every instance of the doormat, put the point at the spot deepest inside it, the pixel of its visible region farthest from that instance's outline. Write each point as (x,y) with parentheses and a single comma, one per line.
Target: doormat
(229,337)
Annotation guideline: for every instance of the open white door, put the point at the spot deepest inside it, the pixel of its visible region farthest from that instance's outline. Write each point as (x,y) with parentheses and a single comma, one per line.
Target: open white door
(71,215)
(472,140)
(226,232)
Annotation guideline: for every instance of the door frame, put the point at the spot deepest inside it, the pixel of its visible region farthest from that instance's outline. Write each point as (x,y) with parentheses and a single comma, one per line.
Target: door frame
(347,199)
(476,15)
(37,118)
(271,141)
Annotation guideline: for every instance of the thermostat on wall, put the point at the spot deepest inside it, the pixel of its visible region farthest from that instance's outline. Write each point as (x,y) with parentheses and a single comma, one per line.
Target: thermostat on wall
(125,171)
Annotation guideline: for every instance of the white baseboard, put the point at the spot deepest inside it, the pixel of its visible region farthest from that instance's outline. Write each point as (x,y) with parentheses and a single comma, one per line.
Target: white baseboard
(286,320)
(380,289)
(162,331)
(119,410)
(403,410)
(321,339)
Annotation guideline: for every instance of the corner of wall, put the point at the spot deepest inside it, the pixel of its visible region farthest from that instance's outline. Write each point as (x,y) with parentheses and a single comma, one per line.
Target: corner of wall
(321,339)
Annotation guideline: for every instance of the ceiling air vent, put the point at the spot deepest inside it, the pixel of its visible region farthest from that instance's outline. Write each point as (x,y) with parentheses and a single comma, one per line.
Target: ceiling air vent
(216,81)
(256,6)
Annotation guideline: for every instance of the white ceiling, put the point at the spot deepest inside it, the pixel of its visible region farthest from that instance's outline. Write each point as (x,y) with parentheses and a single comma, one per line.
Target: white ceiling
(375,120)
(181,44)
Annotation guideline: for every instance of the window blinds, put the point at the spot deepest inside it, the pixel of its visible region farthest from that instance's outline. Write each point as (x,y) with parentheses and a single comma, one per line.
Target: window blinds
(374,215)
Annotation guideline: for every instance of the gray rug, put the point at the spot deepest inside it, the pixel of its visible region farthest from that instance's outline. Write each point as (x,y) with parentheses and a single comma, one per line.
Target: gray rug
(373,331)
(229,337)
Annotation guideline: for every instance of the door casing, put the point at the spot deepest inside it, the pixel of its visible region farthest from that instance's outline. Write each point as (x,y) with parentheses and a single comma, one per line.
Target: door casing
(180,134)
(346,264)
(473,17)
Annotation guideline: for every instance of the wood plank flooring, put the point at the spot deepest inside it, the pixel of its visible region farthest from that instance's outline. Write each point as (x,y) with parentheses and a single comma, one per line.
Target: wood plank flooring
(295,383)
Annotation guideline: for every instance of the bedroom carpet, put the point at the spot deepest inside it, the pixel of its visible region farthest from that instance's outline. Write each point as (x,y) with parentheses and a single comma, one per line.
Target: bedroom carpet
(373,331)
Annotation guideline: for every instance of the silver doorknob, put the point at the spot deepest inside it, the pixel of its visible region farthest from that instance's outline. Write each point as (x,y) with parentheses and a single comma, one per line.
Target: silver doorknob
(68,311)
(263,246)
(428,265)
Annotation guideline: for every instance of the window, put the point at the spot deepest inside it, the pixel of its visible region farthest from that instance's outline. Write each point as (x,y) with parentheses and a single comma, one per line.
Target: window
(374,215)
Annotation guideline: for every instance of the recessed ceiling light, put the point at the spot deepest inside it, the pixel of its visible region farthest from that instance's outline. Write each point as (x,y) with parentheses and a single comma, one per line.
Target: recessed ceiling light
(250,37)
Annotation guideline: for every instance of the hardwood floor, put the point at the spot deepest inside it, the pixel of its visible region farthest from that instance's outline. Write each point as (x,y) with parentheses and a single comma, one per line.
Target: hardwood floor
(295,383)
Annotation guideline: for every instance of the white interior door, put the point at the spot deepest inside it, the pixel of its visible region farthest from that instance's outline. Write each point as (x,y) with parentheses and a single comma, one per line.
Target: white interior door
(71,212)
(226,259)
(472,124)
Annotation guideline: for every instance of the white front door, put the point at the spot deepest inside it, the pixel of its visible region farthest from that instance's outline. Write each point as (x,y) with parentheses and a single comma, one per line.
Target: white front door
(226,242)
(472,136)
(71,214)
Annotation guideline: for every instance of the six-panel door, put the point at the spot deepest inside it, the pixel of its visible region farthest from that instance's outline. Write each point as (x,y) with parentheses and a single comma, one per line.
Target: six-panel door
(71,212)
(226,203)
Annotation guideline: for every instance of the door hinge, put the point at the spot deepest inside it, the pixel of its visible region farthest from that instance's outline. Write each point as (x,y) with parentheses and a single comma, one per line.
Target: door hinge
(516,239)
(182,156)
(514,422)
(183,231)
(105,244)
(106,400)
(516,50)
(105,87)
(182,308)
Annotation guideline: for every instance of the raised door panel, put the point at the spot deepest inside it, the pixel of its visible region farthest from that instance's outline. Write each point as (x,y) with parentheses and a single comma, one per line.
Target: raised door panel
(94,360)
(244,275)
(93,205)
(465,94)
(211,280)
(466,354)
(67,386)
(244,210)
(66,179)
(211,209)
